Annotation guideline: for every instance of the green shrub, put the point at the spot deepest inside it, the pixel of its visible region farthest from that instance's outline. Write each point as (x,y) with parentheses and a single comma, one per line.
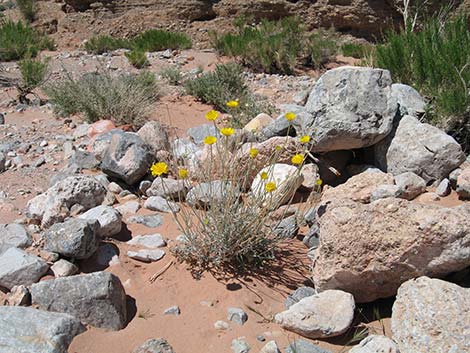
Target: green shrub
(137,58)
(356,50)
(126,98)
(104,44)
(226,83)
(18,40)
(33,72)
(322,48)
(156,40)
(172,75)
(271,46)
(436,60)
(27,9)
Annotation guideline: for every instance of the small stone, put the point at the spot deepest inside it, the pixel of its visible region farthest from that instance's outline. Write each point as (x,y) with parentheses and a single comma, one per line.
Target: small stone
(298,295)
(287,228)
(172,310)
(151,221)
(18,296)
(444,188)
(64,268)
(153,345)
(151,241)
(237,315)
(43,143)
(301,346)
(144,186)
(157,203)
(270,347)
(410,185)
(130,207)
(261,338)
(146,255)
(169,189)
(114,187)
(221,325)
(240,346)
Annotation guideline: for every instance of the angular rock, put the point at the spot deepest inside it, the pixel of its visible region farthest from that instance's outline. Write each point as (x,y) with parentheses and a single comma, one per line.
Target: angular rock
(109,219)
(301,346)
(146,255)
(258,123)
(151,241)
(444,188)
(375,344)
(75,238)
(287,228)
(158,203)
(56,203)
(410,185)
(18,296)
(463,184)
(384,191)
(154,345)
(327,314)
(172,310)
(283,127)
(27,330)
(351,107)
(84,160)
(394,240)
(311,174)
(419,148)
(237,315)
(151,221)
(240,346)
(64,268)
(431,315)
(128,208)
(14,236)
(154,135)
(170,189)
(409,100)
(127,157)
(270,347)
(96,299)
(298,295)
(17,267)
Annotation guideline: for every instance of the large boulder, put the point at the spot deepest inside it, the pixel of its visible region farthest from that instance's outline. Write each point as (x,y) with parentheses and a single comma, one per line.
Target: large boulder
(369,250)
(77,192)
(430,315)
(75,238)
(327,314)
(17,267)
(351,107)
(409,100)
(419,148)
(14,236)
(96,299)
(27,330)
(154,135)
(127,157)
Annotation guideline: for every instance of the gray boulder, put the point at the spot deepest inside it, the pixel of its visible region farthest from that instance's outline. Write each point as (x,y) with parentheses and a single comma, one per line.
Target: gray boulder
(75,238)
(154,345)
(351,107)
(375,344)
(409,100)
(419,148)
(298,295)
(431,315)
(27,330)
(80,192)
(109,219)
(14,236)
(96,299)
(17,267)
(154,135)
(127,157)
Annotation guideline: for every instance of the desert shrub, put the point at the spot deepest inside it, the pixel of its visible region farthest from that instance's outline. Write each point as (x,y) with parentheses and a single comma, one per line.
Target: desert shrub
(137,58)
(356,50)
(322,48)
(172,75)
(27,9)
(124,98)
(220,86)
(104,44)
(156,40)
(18,40)
(33,72)
(270,46)
(436,60)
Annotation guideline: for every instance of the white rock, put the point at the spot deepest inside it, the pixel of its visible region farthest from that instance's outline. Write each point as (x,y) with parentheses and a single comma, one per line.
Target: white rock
(375,344)
(151,241)
(146,255)
(110,220)
(64,268)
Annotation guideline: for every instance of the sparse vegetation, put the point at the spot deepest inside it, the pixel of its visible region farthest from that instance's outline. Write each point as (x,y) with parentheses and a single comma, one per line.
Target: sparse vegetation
(27,9)
(19,40)
(172,75)
(357,50)
(124,98)
(222,85)
(103,44)
(322,48)
(137,58)
(33,74)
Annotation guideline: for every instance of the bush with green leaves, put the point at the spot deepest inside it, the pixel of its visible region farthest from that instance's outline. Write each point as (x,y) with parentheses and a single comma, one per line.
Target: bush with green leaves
(226,83)
(27,9)
(137,58)
(436,61)
(104,44)
(172,75)
(19,40)
(357,50)
(33,72)
(322,47)
(124,98)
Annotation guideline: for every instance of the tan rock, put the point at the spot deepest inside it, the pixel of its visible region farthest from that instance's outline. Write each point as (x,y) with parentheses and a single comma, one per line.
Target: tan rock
(258,123)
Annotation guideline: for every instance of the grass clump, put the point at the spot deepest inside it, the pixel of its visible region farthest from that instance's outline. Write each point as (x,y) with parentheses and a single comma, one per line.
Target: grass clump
(19,40)
(33,72)
(124,98)
(222,85)
(27,9)
(172,75)
(137,58)
(103,44)
(435,60)
(357,50)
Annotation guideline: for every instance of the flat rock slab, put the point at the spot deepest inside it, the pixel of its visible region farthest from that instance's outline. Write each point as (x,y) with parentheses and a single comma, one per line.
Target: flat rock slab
(151,241)
(151,221)
(27,330)
(97,299)
(17,267)
(146,255)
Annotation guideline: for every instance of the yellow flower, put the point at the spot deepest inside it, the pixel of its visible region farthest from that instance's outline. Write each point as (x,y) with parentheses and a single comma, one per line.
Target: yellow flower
(289,116)
(263,175)
(159,169)
(304,139)
(212,115)
(270,187)
(278,148)
(232,104)
(297,159)
(183,173)
(227,131)
(319,182)
(253,152)
(210,140)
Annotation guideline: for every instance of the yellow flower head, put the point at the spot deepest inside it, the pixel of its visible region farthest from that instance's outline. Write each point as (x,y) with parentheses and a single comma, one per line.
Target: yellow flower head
(158,169)
(212,115)
(210,140)
(183,173)
(278,148)
(263,175)
(227,131)
(232,104)
(253,153)
(289,116)
(270,187)
(304,139)
(297,159)
(319,182)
